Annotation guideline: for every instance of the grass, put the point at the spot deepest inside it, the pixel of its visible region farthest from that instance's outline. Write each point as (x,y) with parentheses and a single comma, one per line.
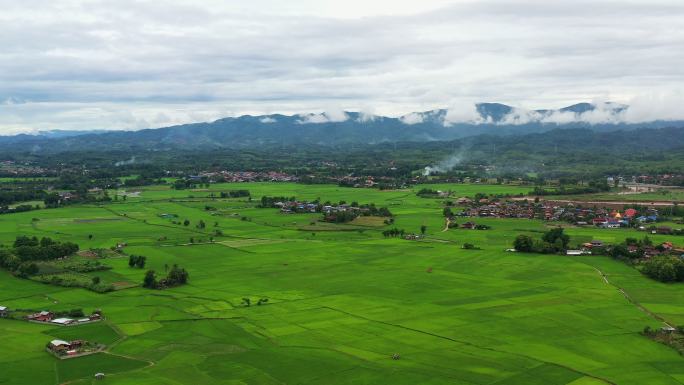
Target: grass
(342,298)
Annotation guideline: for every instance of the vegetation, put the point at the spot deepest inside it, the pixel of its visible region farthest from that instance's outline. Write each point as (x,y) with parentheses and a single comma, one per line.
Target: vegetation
(664,268)
(552,241)
(137,261)
(177,276)
(446,312)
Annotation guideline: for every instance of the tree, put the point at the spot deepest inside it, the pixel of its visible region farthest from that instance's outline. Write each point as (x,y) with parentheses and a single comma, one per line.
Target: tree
(96,280)
(140,263)
(262,301)
(554,235)
(664,269)
(647,241)
(423,228)
(90,236)
(447,212)
(150,280)
(28,269)
(177,276)
(186,222)
(523,243)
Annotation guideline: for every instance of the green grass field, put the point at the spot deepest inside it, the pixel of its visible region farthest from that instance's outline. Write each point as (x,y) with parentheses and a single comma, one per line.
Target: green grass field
(664,195)
(342,299)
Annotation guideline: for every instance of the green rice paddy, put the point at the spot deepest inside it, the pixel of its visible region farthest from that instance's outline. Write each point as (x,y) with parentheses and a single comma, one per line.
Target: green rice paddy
(342,298)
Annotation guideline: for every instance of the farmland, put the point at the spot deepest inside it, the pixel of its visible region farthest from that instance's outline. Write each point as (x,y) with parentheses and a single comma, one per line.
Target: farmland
(342,299)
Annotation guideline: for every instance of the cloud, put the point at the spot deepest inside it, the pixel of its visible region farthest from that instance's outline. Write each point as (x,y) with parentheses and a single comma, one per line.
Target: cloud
(412,118)
(463,113)
(656,106)
(334,116)
(367,114)
(521,116)
(267,119)
(81,64)
(12,100)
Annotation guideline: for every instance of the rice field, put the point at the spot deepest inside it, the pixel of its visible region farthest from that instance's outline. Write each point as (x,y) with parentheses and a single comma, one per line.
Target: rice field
(345,304)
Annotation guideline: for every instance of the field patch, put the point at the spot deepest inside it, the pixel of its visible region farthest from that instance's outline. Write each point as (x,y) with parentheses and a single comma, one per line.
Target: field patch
(97,220)
(86,367)
(99,332)
(369,221)
(233,242)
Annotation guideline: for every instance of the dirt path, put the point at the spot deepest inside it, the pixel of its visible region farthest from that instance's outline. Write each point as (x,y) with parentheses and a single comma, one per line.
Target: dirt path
(632,300)
(446,225)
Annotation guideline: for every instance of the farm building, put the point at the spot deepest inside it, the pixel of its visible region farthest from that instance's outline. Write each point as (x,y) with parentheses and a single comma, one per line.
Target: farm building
(43,316)
(596,243)
(63,321)
(4,311)
(59,346)
(65,349)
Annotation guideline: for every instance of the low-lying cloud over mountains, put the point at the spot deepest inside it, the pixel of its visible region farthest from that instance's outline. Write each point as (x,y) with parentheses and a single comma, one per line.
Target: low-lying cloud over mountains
(601,113)
(340,128)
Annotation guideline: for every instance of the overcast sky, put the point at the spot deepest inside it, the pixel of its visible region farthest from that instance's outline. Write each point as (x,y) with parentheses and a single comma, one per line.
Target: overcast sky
(81,64)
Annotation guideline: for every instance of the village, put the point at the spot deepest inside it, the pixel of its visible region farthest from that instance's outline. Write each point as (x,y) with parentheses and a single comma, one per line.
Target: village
(642,218)
(331,211)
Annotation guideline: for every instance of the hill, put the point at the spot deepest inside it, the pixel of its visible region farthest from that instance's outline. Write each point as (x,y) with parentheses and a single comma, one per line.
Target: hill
(326,129)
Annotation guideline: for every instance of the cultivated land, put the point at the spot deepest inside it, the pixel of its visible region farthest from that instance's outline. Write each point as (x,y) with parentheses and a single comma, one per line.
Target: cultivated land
(342,299)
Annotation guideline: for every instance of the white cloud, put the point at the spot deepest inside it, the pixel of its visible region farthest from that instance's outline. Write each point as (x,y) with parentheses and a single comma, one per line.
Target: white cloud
(465,112)
(656,106)
(69,59)
(521,116)
(333,116)
(267,119)
(412,118)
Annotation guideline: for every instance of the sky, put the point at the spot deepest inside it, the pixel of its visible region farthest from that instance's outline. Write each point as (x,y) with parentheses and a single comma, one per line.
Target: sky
(124,64)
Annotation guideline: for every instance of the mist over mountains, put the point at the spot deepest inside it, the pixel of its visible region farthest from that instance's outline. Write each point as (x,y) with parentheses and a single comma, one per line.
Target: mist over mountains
(342,128)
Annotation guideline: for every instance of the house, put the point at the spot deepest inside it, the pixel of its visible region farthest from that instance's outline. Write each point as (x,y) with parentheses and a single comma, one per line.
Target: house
(4,311)
(611,224)
(43,316)
(664,230)
(649,218)
(574,252)
(63,321)
(596,243)
(59,345)
(468,225)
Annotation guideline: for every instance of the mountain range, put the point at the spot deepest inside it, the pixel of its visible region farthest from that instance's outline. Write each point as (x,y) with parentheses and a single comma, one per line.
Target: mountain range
(335,129)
